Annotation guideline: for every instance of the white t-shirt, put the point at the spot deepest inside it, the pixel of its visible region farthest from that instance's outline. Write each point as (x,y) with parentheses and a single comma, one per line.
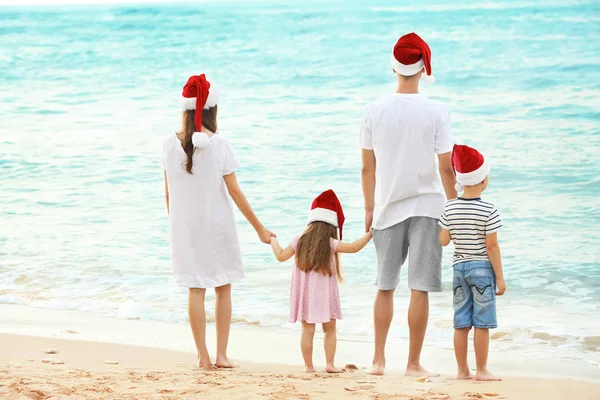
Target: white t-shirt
(406,131)
(205,249)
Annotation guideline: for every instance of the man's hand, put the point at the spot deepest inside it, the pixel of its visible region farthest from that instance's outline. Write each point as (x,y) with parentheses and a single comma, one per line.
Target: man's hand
(265,235)
(368,220)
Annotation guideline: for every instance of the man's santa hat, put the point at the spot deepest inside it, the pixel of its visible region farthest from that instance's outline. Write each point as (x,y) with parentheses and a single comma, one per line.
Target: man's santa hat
(411,54)
(327,208)
(470,166)
(198,94)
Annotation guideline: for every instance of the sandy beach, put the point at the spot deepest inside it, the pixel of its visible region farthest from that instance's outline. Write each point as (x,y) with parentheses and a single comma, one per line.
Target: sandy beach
(156,361)
(82,369)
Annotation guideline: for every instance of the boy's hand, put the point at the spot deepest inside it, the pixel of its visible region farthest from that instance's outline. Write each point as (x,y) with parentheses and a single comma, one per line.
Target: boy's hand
(501,287)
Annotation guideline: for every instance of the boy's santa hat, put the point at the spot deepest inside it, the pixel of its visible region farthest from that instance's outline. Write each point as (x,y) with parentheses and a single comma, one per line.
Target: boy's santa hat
(470,166)
(327,208)
(411,54)
(198,94)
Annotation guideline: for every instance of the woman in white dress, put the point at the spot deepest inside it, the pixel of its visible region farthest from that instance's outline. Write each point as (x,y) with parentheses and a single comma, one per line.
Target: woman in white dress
(200,183)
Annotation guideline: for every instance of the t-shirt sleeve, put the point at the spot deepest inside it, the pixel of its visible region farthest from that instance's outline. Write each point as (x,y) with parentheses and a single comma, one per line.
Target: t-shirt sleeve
(366,136)
(494,223)
(294,243)
(228,161)
(443,133)
(334,244)
(443,221)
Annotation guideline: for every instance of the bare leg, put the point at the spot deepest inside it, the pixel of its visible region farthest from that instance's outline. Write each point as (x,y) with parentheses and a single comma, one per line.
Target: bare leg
(329,328)
(383,313)
(223,320)
(418,316)
(461,343)
(306,345)
(482,343)
(197,318)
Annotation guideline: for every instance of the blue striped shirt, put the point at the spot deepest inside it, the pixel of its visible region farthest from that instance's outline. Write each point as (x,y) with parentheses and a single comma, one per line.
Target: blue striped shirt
(469,221)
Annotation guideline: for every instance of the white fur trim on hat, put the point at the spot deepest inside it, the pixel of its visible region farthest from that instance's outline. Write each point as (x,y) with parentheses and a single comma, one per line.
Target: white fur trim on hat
(200,140)
(189,103)
(412,69)
(323,215)
(474,177)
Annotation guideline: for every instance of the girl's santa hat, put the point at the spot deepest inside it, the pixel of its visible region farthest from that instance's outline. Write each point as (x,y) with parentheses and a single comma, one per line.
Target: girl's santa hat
(411,54)
(327,208)
(198,94)
(470,166)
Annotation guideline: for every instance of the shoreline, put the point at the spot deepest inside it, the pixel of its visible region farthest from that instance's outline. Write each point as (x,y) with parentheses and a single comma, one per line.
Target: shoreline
(84,369)
(255,344)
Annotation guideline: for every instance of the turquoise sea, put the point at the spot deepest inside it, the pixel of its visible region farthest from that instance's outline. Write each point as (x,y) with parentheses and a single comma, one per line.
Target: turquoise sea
(87,93)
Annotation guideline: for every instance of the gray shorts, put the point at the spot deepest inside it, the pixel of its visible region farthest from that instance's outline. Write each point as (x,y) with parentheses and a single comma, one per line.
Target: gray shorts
(418,236)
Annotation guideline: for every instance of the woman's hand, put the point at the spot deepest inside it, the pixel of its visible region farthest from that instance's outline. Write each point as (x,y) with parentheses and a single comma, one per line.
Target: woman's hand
(265,235)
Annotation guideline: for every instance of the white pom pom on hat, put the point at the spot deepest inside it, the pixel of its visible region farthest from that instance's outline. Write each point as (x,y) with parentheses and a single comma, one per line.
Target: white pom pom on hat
(200,140)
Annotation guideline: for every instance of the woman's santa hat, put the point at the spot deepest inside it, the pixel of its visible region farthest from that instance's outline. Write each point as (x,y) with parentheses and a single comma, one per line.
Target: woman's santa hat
(411,54)
(198,94)
(470,166)
(327,208)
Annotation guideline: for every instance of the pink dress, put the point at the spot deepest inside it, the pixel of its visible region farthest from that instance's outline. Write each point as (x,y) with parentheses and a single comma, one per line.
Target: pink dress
(315,297)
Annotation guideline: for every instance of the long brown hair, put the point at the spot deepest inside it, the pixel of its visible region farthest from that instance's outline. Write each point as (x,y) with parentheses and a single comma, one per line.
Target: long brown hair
(313,252)
(188,127)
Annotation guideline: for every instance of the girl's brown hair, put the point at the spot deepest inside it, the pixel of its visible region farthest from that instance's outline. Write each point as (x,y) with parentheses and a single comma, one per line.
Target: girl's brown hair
(313,252)
(209,121)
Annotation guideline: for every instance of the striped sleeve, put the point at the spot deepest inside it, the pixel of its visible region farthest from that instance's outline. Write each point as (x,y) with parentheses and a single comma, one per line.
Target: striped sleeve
(443,222)
(494,223)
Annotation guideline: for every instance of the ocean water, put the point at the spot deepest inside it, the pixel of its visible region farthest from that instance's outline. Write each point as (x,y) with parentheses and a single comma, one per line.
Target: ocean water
(87,93)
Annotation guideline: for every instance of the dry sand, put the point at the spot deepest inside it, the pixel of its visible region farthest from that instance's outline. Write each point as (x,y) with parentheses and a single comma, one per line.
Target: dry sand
(78,369)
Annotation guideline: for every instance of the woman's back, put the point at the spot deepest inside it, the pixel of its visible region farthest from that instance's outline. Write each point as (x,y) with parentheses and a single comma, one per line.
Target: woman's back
(205,245)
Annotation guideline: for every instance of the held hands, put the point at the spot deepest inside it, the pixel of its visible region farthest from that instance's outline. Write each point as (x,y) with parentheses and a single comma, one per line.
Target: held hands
(501,284)
(368,220)
(265,235)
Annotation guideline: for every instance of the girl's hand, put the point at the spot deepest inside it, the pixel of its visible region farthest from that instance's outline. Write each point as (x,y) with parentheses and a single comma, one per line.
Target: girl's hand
(501,287)
(265,235)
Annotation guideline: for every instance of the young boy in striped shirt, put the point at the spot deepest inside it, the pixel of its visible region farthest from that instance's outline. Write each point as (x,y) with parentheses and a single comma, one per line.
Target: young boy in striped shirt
(472,225)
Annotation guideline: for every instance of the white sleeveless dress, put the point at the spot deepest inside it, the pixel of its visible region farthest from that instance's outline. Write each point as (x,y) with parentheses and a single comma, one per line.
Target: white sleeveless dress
(205,248)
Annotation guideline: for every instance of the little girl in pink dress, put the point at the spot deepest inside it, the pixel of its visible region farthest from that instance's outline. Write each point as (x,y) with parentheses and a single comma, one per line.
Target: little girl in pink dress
(314,294)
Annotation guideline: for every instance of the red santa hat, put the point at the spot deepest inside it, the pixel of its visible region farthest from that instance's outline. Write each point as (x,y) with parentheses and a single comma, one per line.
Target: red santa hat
(411,54)
(470,166)
(327,208)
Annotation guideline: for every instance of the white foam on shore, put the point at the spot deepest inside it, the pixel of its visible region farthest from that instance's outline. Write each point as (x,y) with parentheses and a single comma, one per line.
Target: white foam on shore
(277,346)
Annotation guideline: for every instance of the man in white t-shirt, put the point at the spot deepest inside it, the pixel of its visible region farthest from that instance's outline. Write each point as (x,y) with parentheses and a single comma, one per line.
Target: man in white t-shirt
(400,135)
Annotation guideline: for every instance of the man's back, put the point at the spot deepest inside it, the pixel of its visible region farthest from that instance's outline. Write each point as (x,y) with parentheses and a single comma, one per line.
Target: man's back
(406,131)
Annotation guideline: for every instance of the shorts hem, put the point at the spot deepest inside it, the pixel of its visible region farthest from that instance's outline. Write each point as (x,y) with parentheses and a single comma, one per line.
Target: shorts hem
(427,289)
(485,326)
(463,326)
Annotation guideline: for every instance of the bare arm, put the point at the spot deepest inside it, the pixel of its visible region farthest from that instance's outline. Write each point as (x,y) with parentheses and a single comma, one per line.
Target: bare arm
(447,175)
(281,254)
(355,246)
(445,238)
(493,250)
(244,206)
(167,194)
(368,185)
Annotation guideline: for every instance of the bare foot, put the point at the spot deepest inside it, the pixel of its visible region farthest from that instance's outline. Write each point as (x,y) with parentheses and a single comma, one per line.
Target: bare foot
(309,369)
(376,369)
(225,363)
(205,364)
(332,369)
(486,375)
(463,375)
(418,371)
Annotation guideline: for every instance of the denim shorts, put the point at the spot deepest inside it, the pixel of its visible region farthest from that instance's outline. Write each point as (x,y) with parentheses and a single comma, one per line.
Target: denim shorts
(474,287)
